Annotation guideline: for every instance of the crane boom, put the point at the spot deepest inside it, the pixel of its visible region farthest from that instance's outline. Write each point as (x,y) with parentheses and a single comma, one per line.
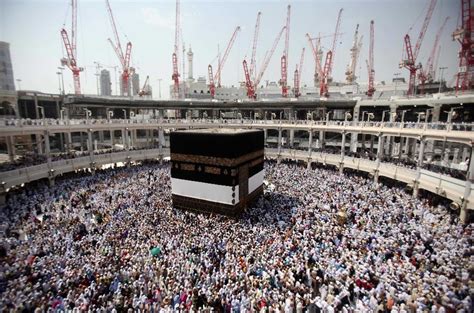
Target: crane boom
(426,73)
(114,28)
(334,42)
(297,75)
(410,62)
(268,57)
(323,86)
(124,58)
(424,28)
(300,68)
(145,91)
(254,46)
(224,57)
(317,60)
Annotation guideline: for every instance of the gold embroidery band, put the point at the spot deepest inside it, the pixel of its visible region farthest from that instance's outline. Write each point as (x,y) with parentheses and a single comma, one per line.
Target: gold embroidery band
(210,160)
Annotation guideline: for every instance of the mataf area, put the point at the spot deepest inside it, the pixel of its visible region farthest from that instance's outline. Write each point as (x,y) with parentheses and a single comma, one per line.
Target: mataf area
(114,242)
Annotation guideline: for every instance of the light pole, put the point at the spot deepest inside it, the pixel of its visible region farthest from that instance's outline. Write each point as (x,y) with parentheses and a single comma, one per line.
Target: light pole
(159,87)
(59,82)
(62,114)
(19,83)
(124,113)
(97,74)
(441,70)
(61,69)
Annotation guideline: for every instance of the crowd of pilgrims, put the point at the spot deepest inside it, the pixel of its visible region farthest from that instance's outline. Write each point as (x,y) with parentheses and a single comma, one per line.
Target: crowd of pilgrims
(113,242)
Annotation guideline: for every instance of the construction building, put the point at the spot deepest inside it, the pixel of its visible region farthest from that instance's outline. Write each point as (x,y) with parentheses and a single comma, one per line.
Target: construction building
(7,81)
(105,83)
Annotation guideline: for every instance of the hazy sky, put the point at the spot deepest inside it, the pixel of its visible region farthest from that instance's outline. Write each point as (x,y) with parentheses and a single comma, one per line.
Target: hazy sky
(32,27)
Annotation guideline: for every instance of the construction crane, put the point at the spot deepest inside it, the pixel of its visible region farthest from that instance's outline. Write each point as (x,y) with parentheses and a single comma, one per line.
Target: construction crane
(145,91)
(317,53)
(224,57)
(334,42)
(297,75)
(411,56)
(254,46)
(248,82)
(124,58)
(251,86)
(355,51)
(220,64)
(463,34)
(323,85)
(284,58)
(370,63)
(70,45)
(426,73)
(174,57)
(212,86)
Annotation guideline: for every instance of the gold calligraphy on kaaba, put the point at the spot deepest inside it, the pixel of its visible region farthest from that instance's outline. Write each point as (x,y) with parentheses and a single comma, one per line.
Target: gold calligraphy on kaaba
(187,167)
(212,170)
(216,161)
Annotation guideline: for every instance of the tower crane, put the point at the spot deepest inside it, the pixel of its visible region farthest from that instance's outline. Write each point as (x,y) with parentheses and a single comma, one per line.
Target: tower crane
(248,82)
(370,63)
(355,51)
(463,34)
(212,86)
(323,83)
(254,46)
(251,86)
(426,73)
(123,58)
(411,56)
(298,73)
(174,57)
(221,63)
(70,45)
(284,58)
(317,57)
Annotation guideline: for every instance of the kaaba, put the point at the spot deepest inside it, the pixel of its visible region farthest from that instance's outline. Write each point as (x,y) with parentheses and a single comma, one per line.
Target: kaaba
(216,170)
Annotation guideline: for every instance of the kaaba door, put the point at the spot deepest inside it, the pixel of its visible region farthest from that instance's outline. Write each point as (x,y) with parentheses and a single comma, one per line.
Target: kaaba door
(243,182)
